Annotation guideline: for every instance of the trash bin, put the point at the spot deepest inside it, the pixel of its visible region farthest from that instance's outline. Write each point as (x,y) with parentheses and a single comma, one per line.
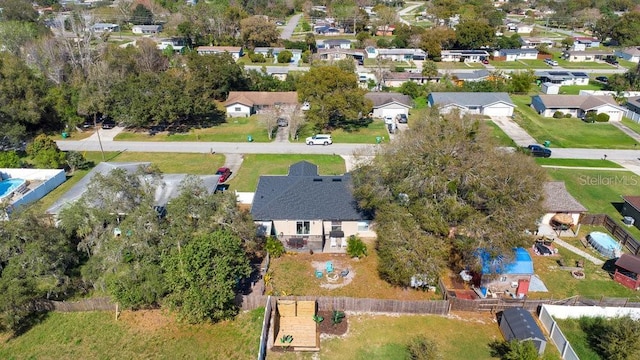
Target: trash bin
(250,138)
(378,139)
(65,135)
(547,143)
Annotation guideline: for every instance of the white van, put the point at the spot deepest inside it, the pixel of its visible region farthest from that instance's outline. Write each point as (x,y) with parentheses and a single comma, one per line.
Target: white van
(551,62)
(320,139)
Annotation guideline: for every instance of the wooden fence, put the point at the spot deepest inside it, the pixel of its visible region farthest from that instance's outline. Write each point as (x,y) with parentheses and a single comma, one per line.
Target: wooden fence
(618,231)
(94,304)
(439,307)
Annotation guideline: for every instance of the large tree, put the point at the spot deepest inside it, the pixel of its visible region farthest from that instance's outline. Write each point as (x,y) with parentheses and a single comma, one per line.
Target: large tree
(473,34)
(442,191)
(335,98)
(626,31)
(257,31)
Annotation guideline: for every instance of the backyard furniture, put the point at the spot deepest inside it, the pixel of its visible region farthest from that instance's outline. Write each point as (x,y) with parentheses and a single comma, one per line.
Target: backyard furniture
(344,272)
(319,274)
(329,267)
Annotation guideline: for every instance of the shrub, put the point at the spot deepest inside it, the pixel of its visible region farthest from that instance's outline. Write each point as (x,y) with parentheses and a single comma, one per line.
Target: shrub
(602,117)
(514,350)
(337,317)
(616,338)
(421,348)
(590,117)
(306,56)
(45,153)
(10,159)
(274,247)
(567,116)
(356,247)
(558,115)
(257,58)
(284,57)
(306,26)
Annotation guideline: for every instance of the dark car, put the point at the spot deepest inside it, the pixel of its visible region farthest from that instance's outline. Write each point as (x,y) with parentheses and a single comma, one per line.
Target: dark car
(602,79)
(402,118)
(224,173)
(283,122)
(108,124)
(612,61)
(538,151)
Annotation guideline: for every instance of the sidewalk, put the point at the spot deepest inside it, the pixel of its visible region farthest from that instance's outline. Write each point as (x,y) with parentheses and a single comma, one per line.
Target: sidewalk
(577,251)
(105,135)
(625,129)
(514,131)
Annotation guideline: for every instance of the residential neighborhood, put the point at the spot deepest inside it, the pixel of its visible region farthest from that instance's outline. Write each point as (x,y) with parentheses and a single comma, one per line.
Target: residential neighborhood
(339,180)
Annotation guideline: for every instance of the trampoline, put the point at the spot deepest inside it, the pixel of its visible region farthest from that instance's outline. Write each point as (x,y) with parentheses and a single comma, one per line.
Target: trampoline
(605,244)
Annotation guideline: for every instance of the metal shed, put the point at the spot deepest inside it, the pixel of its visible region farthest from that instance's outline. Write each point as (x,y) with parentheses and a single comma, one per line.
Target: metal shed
(518,323)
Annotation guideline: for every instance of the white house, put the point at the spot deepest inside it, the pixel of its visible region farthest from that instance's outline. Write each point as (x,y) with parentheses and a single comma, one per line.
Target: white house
(524,28)
(334,43)
(463,55)
(235,51)
(563,77)
(581,56)
(518,54)
(396,54)
(577,105)
(488,103)
(246,103)
(587,41)
(389,104)
(146,29)
(105,27)
(630,54)
(296,54)
(532,43)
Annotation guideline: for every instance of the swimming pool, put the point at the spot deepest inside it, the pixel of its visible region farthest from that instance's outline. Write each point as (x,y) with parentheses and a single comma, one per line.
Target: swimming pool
(7,187)
(605,244)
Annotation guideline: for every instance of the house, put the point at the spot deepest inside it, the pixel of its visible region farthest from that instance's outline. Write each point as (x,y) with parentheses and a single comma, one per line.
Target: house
(630,54)
(307,211)
(582,56)
(460,77)
(146,29)
(560,208)
(389,104)
(339,54)
(524,28)
(105,27)
(177,44)
(463,55)
(532,43)
(335,43)
(326,30)
(490,104)
(235,51)
(272,52)
(501,275)
(518,54)
(577,105)
(396,79)
(550,88)
(627,271)
(587,41)
(631,208)
(385,30)
(395,54)
(247,103)
(563,77)
(633,103)
(169,189)
(518,324)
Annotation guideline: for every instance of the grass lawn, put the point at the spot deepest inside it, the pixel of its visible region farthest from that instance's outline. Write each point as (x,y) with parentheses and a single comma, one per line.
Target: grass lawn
(631,124)
(234,130)
(569,133)
(501,138)
(575,89)
(578,162)
(255,165)
(577,338)
(459,65)
(136,335)
(520,64)
(460,336)
(627,64)
(584,64)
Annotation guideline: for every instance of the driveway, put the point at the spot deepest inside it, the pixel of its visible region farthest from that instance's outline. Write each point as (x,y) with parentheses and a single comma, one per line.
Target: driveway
(408,10)
(290,27)
(513,130)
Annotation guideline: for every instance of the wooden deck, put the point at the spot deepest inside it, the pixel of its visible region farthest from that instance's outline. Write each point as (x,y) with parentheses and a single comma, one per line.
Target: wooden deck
(304,331)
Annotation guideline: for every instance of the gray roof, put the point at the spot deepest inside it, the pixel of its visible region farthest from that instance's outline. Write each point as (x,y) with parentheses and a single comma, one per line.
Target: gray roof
(383,98)
(336,41)
(467,99)
(402,52)
(522,325)
(584,102)
(304,195)
(519,51)
(558,199)
(169,190)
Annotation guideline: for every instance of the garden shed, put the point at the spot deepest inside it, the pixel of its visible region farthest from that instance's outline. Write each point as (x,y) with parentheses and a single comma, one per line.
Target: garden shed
(517,323)
(627,270)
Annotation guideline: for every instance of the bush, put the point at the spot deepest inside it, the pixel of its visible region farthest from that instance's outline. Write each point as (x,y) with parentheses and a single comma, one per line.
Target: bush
(514,350)
(567,116)
(257,58)
(284,57)
(45,153)
(306,26)
(615,339)
(558,115)
(590,117)
(10,159)
(306,56)
(337,317)
(356,247)
(602,117)
(421,348)
(274,247)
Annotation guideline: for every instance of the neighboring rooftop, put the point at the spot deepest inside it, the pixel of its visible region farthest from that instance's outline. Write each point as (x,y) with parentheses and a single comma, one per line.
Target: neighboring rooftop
(470,99)
(383,98)
(558,199)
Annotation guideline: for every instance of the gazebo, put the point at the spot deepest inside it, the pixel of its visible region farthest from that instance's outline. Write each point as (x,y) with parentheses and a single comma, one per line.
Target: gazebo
(627,271)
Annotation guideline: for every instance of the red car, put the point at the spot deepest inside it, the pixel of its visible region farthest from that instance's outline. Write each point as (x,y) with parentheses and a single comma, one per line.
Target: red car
(485,61)
(224,173)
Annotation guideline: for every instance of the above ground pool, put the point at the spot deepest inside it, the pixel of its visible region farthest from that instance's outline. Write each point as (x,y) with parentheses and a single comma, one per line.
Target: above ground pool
(7,187)
(605,244)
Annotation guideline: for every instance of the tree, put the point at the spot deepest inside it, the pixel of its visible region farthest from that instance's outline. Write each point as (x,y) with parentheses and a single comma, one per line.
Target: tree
(443,10)
(77,161)
(14,35)
(141,15)
(284,57)
(422,348)
(213,76)
(514,350)
(567,42)
(45,153)
(335,98)
(18,10)
(615,338)
(473,34)
(510,42)
(443,191)
(429,68)
(521,82)
(10,159)
(434,40)
(257,31)
(386,17)
(269,119)
(626,31)
(203,276)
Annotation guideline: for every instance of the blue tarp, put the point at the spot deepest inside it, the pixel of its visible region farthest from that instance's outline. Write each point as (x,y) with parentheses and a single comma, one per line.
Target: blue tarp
(522,264)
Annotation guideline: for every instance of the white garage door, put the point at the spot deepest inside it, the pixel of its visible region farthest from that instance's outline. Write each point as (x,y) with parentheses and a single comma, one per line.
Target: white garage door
(498,111)
(394,112)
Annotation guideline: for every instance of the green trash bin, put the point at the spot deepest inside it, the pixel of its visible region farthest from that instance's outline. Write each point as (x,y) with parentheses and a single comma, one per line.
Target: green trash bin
(65,135)
(378,139)
(547,143)
(250,138)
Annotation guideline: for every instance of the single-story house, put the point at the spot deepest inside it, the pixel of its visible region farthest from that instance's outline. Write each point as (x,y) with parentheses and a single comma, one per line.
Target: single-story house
(532,43)
(587,41)
(563,77)
(275,51)
(581,56)
(633,103)
(463,55)
(307,211)
(524,28)
(630,54)
(146,29)
(326,30)
(105,27)
(235,51)
(396,79)
(389,104)
(518,324)
(631,208)
(278,72)
(488,103)
(460,77)
(396,54)
(334,43)
(246,103)
(577,105)
(501,275)
(560,205)
(365,77)
(518,54)
(177,44)
(339,54)
(385,30)
(627,271)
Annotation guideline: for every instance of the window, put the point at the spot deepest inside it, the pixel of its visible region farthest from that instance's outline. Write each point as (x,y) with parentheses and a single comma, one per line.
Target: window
(363,226)
(302,227)
(237,109)
(336,226)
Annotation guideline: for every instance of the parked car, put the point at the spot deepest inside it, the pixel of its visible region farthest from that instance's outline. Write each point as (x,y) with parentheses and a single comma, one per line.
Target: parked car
(283,122)
(388,119)
(612,61)
(280,23)
(538,151)
(485,61)
(108,124)
(402,118)
(551,62)
(320,139)
(602,79)
(224,173)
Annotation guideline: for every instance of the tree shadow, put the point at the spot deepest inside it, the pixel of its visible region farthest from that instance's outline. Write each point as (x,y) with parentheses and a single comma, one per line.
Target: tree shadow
(29,322)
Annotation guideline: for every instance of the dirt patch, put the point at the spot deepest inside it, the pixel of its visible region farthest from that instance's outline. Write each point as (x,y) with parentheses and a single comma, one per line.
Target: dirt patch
(477,317)
(337,278)
(147,320)
(328,328)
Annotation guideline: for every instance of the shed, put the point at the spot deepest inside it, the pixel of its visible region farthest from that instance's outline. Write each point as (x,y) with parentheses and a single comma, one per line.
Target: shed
(503,275)
(631,207)
(517,323)
(627,270)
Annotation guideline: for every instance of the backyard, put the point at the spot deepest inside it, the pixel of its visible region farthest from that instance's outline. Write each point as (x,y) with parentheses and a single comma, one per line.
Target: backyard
(571,132)
(577,338)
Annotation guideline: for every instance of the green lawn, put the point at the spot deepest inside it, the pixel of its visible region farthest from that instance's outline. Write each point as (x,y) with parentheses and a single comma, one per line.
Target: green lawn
(136,335)
(577,338)
(501,138)
(255,165)
(627,64)
(459,65)
(583,64)
(569,133)
(520,64)
(578,162)
(575,89)
(631,124)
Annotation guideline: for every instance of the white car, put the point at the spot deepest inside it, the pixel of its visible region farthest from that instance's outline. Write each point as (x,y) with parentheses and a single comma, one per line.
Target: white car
(388,119)
(551,62)
(320,139)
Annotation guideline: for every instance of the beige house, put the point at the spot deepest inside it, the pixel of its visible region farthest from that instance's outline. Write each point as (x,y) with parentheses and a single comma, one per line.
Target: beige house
(247,103)
(577,105)
(235,51)
(307,211)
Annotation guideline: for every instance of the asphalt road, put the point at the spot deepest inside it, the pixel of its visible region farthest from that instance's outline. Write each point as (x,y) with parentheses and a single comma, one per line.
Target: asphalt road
(288,29)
